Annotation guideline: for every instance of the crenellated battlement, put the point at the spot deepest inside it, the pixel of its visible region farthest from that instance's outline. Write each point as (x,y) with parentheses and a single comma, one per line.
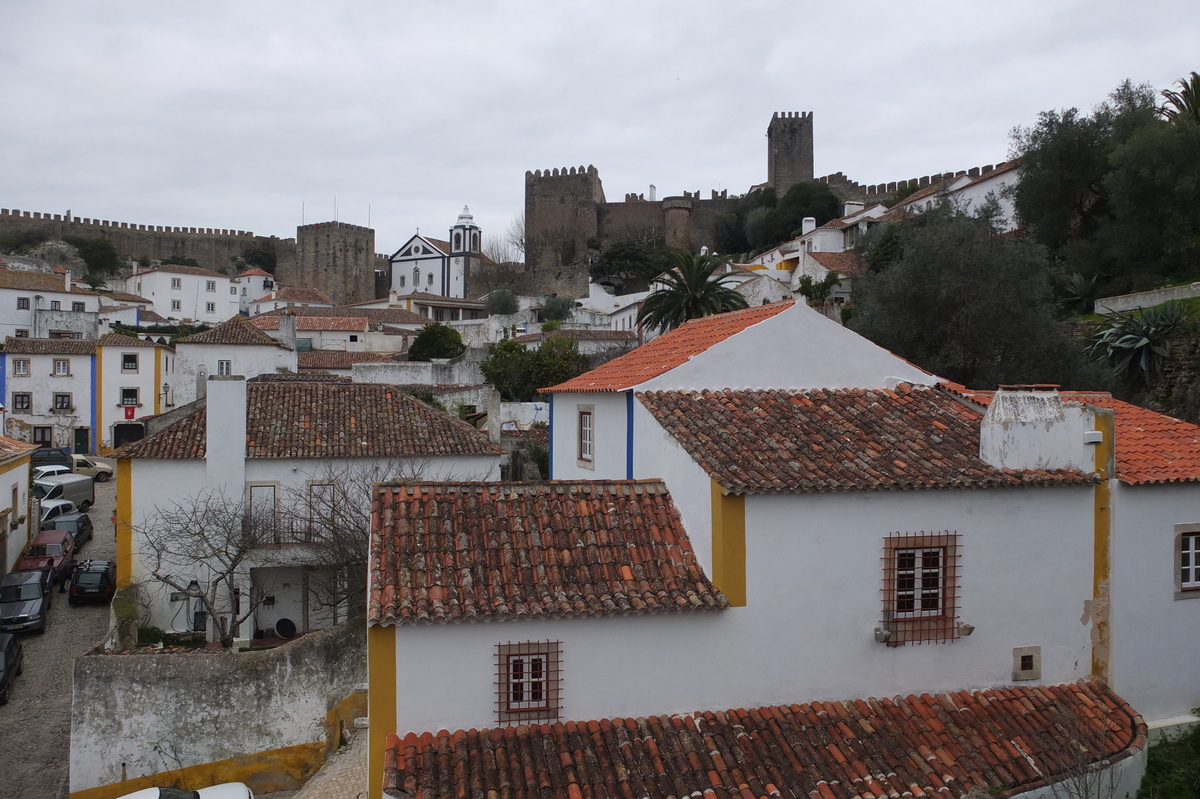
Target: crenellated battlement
(339,225)
(589,170)
(791,115)
(848,189)
(104,223)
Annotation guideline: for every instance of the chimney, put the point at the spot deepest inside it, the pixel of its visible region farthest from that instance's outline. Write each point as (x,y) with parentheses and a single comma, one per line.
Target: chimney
(652,192)
(393,299)
(67,278)
(852,207)
(808,225)
(287,330)
(225,430)
(1031,427)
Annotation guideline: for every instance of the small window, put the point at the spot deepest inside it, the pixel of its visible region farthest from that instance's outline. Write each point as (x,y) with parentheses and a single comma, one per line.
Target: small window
(62,402)
(1187,561)
(429,279)
(20,367)
(129,397)
(1027,663)
(129,362)
(233,290)
(22,303)
(62,367)
(457,242)
(210,285)
(22,334)
(401,281)
(529,681)
(210,307)
(55,305)
(22,402)
(77,306)
(439,315)
(586,436)
(176,282)
(920,588)
(353,337)
(176,305)
(224,367)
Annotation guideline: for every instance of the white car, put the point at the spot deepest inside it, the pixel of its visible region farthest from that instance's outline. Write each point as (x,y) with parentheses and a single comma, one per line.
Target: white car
(49,471)
(100,472)
(227,790)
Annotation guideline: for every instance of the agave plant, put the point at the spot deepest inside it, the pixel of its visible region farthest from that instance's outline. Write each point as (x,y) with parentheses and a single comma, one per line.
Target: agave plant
(1135,343)
(1079,292)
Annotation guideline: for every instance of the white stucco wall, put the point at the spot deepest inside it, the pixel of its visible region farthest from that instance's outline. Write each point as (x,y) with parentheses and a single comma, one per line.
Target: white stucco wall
(148,379)
(1155,637)
(249,360)
(192,295)
(43,384)
(15,476)
(814,582)
(609,436)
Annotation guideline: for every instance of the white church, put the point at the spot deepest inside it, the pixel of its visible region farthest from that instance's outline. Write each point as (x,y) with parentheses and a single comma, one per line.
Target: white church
(426,265)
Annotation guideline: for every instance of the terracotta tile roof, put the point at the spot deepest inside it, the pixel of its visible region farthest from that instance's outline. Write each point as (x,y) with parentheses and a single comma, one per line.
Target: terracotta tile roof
(846,264)
(444,552)
(356,324)
(235,330)
(838,224)
(1151,447)
(148,315)
(325,359)
(942,746)
(298,294)
(37,281)
(122,297)
(670,350)
(312,419)
(437,299)
(392,316)
(436,388)
(49,346)
(931,189)
(182,269)
(12,448)
(538,435)
(307,376)
(255,273)
(119,340)
(846,440)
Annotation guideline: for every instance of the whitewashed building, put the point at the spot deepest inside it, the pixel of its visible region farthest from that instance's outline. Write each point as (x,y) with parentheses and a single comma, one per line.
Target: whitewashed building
(187,293)
(41,305)
(17,527)
(441,268)
(289,297)
(234,347)
(252,284)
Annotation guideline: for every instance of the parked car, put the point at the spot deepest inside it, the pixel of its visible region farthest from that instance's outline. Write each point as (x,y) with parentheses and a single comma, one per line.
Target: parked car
(53,550)
(12,661)
(101,472)
(25,601)
(52,509)
(80,525)
(226,790)
(79,488)
(93,581)
(48,456)
(53,470)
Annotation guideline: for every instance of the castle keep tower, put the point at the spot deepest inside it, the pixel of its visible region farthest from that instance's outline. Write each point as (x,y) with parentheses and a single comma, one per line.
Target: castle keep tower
(789,149)
(337,258)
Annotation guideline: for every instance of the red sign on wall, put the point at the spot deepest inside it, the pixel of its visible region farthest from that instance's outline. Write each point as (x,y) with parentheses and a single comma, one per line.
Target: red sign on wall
(129,411)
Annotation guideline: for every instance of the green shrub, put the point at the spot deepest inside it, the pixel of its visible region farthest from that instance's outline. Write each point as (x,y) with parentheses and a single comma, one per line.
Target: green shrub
(19,242)
(1173,768)
(436,341)
(148,636)
(501,302)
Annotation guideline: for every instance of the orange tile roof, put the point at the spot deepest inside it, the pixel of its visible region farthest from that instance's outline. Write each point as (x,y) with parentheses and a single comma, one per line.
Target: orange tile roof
(332,324)
(234,330)
(947,746)
(846,264)
(670,350)
(12,448)
(337,359)
(443,552)
(1151,447)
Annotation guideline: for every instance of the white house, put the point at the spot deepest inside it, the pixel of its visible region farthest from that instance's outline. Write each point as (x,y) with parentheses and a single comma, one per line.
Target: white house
(335,333)
(234,347)
(135,378)
(442,268)
(48,386)
(41,305)
(288,297)
(188,293)
(970,190)
(273,445)
(250,285)
(17,527)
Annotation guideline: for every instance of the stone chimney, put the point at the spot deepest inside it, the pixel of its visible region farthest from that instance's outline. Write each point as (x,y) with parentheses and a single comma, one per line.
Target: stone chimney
(287,330)
(1031,427)
(67,278)
(852,207)
(808,225)
(225,429)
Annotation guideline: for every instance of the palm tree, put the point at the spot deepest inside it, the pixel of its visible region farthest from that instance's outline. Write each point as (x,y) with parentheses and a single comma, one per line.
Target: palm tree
(1185,103)
(690,288)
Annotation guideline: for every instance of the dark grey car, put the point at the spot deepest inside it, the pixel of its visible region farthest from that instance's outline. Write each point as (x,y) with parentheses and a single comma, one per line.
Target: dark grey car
(11,663)
(24,601)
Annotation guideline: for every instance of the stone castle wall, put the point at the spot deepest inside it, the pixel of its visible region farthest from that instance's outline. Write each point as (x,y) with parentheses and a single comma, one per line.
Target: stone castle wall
(337,258)
(214,248)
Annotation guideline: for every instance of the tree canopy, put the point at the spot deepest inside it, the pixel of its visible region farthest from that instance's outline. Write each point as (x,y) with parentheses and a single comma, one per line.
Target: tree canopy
(628,264)
(692,287)
(436,341)
(518,372)
(761,220)
(969,304)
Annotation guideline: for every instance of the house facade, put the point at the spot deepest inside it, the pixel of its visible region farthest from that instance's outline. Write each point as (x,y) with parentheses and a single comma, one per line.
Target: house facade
(49,388)
(288,297)
(234,347)
(41,305)
(17,525)
(188,293)
(441,268)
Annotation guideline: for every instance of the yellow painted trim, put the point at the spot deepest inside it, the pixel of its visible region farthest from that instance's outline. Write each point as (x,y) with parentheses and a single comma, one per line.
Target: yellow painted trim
(123,520)
(1101,544)
(265,772)
(381,702)
(99,399)
(729,544)
(159,357)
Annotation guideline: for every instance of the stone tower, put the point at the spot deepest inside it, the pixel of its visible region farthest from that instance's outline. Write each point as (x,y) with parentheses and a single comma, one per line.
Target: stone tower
(337,258)
(789,149)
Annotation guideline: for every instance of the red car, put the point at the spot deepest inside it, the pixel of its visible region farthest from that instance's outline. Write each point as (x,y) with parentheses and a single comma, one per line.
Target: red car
(53,550)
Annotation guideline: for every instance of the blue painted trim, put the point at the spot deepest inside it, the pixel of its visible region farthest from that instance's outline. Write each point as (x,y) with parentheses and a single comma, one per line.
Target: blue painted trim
(628,435)
(4,382)
(550,463)
(95,404)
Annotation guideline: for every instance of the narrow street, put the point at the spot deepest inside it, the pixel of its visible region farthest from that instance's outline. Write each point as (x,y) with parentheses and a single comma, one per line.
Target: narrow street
(35,726)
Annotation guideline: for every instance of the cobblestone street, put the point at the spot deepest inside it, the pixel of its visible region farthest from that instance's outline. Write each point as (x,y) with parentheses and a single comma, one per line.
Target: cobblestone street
(35,726)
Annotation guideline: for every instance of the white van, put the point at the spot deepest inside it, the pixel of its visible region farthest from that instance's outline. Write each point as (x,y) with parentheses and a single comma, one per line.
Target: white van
(78,488)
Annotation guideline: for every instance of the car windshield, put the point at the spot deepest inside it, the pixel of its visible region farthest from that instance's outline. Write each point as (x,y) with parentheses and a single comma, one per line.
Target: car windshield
(38,491)
(88,578)
(45,550)
(19,593)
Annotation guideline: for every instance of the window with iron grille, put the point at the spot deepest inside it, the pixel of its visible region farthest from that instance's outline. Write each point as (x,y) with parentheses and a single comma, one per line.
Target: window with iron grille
(129,397)
(528,681)
(129,362)
(920,587)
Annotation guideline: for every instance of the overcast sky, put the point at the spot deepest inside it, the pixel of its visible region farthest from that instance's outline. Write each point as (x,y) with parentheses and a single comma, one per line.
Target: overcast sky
(249,114)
